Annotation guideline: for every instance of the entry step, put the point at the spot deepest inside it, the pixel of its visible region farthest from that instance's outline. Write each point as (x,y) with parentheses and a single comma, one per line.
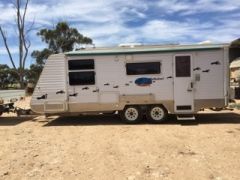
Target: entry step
(186,117)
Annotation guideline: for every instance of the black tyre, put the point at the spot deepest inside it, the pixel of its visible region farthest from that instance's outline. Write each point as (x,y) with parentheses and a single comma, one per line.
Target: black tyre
(131,114)
(1,108)
(156,114)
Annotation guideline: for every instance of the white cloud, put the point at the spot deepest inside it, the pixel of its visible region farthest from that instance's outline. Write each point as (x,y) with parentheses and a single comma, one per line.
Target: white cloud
(15,50)
(7,13)
(94,11)
(198,6)
(186,31)
(105,21)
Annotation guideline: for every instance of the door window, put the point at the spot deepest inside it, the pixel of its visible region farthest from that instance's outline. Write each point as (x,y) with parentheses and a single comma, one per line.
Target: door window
(183,66)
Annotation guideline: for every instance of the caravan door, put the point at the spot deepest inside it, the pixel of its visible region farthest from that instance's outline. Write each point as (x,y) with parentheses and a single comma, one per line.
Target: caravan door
(183,84)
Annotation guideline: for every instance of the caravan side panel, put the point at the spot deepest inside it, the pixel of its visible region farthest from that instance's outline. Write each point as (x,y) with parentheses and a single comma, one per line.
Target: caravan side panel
(50,83)
(117,89)
(209,89)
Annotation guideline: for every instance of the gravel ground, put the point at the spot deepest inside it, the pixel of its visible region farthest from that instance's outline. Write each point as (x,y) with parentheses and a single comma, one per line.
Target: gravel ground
(97,147)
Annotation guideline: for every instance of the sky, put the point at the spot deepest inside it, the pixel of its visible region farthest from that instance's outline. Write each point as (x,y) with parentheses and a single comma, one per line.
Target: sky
(112,22)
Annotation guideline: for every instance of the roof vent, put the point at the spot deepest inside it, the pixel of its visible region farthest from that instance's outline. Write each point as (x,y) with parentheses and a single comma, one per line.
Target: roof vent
(131,45)
(205,42)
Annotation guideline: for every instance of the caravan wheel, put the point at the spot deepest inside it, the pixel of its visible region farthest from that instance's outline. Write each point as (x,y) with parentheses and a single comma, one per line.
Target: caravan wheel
(131,114)
(156,114)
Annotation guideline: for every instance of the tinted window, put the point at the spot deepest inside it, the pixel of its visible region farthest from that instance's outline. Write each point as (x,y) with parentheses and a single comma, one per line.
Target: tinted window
(81,64)
(183,66)
(82,78)
(143,68)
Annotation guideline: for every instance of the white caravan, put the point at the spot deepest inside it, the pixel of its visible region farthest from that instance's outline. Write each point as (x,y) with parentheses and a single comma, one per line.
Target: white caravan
(150,80)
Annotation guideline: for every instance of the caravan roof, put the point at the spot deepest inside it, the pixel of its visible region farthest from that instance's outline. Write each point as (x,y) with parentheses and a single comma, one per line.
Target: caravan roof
(144,49)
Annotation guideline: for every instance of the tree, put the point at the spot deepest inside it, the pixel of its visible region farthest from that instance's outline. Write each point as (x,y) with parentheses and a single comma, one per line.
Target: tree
(24,44)
(234,50)
(235,43)
(12,77)
(32,74)
(3,75)
(8,76)
(60,39)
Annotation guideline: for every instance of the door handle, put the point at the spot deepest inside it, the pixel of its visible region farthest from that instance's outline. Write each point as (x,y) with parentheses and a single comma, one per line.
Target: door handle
(191,85)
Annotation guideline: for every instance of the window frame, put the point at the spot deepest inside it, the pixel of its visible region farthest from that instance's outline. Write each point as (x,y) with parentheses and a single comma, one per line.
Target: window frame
(82,84)
(143,62)
(190,68)
(77,69)
(81,71)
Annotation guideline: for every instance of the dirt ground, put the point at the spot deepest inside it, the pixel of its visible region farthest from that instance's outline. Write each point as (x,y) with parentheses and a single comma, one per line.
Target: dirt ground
(102,148)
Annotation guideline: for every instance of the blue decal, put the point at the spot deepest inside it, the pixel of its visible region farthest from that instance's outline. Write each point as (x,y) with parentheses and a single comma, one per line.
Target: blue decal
(143,81)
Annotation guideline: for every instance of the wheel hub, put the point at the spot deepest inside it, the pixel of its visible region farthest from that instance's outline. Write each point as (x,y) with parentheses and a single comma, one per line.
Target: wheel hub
(157,113)
(131,114)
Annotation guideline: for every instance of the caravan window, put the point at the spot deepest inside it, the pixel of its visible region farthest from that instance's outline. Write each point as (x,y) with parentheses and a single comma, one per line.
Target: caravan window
(143,68)
(82,78)
(81,64)
(81,72)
